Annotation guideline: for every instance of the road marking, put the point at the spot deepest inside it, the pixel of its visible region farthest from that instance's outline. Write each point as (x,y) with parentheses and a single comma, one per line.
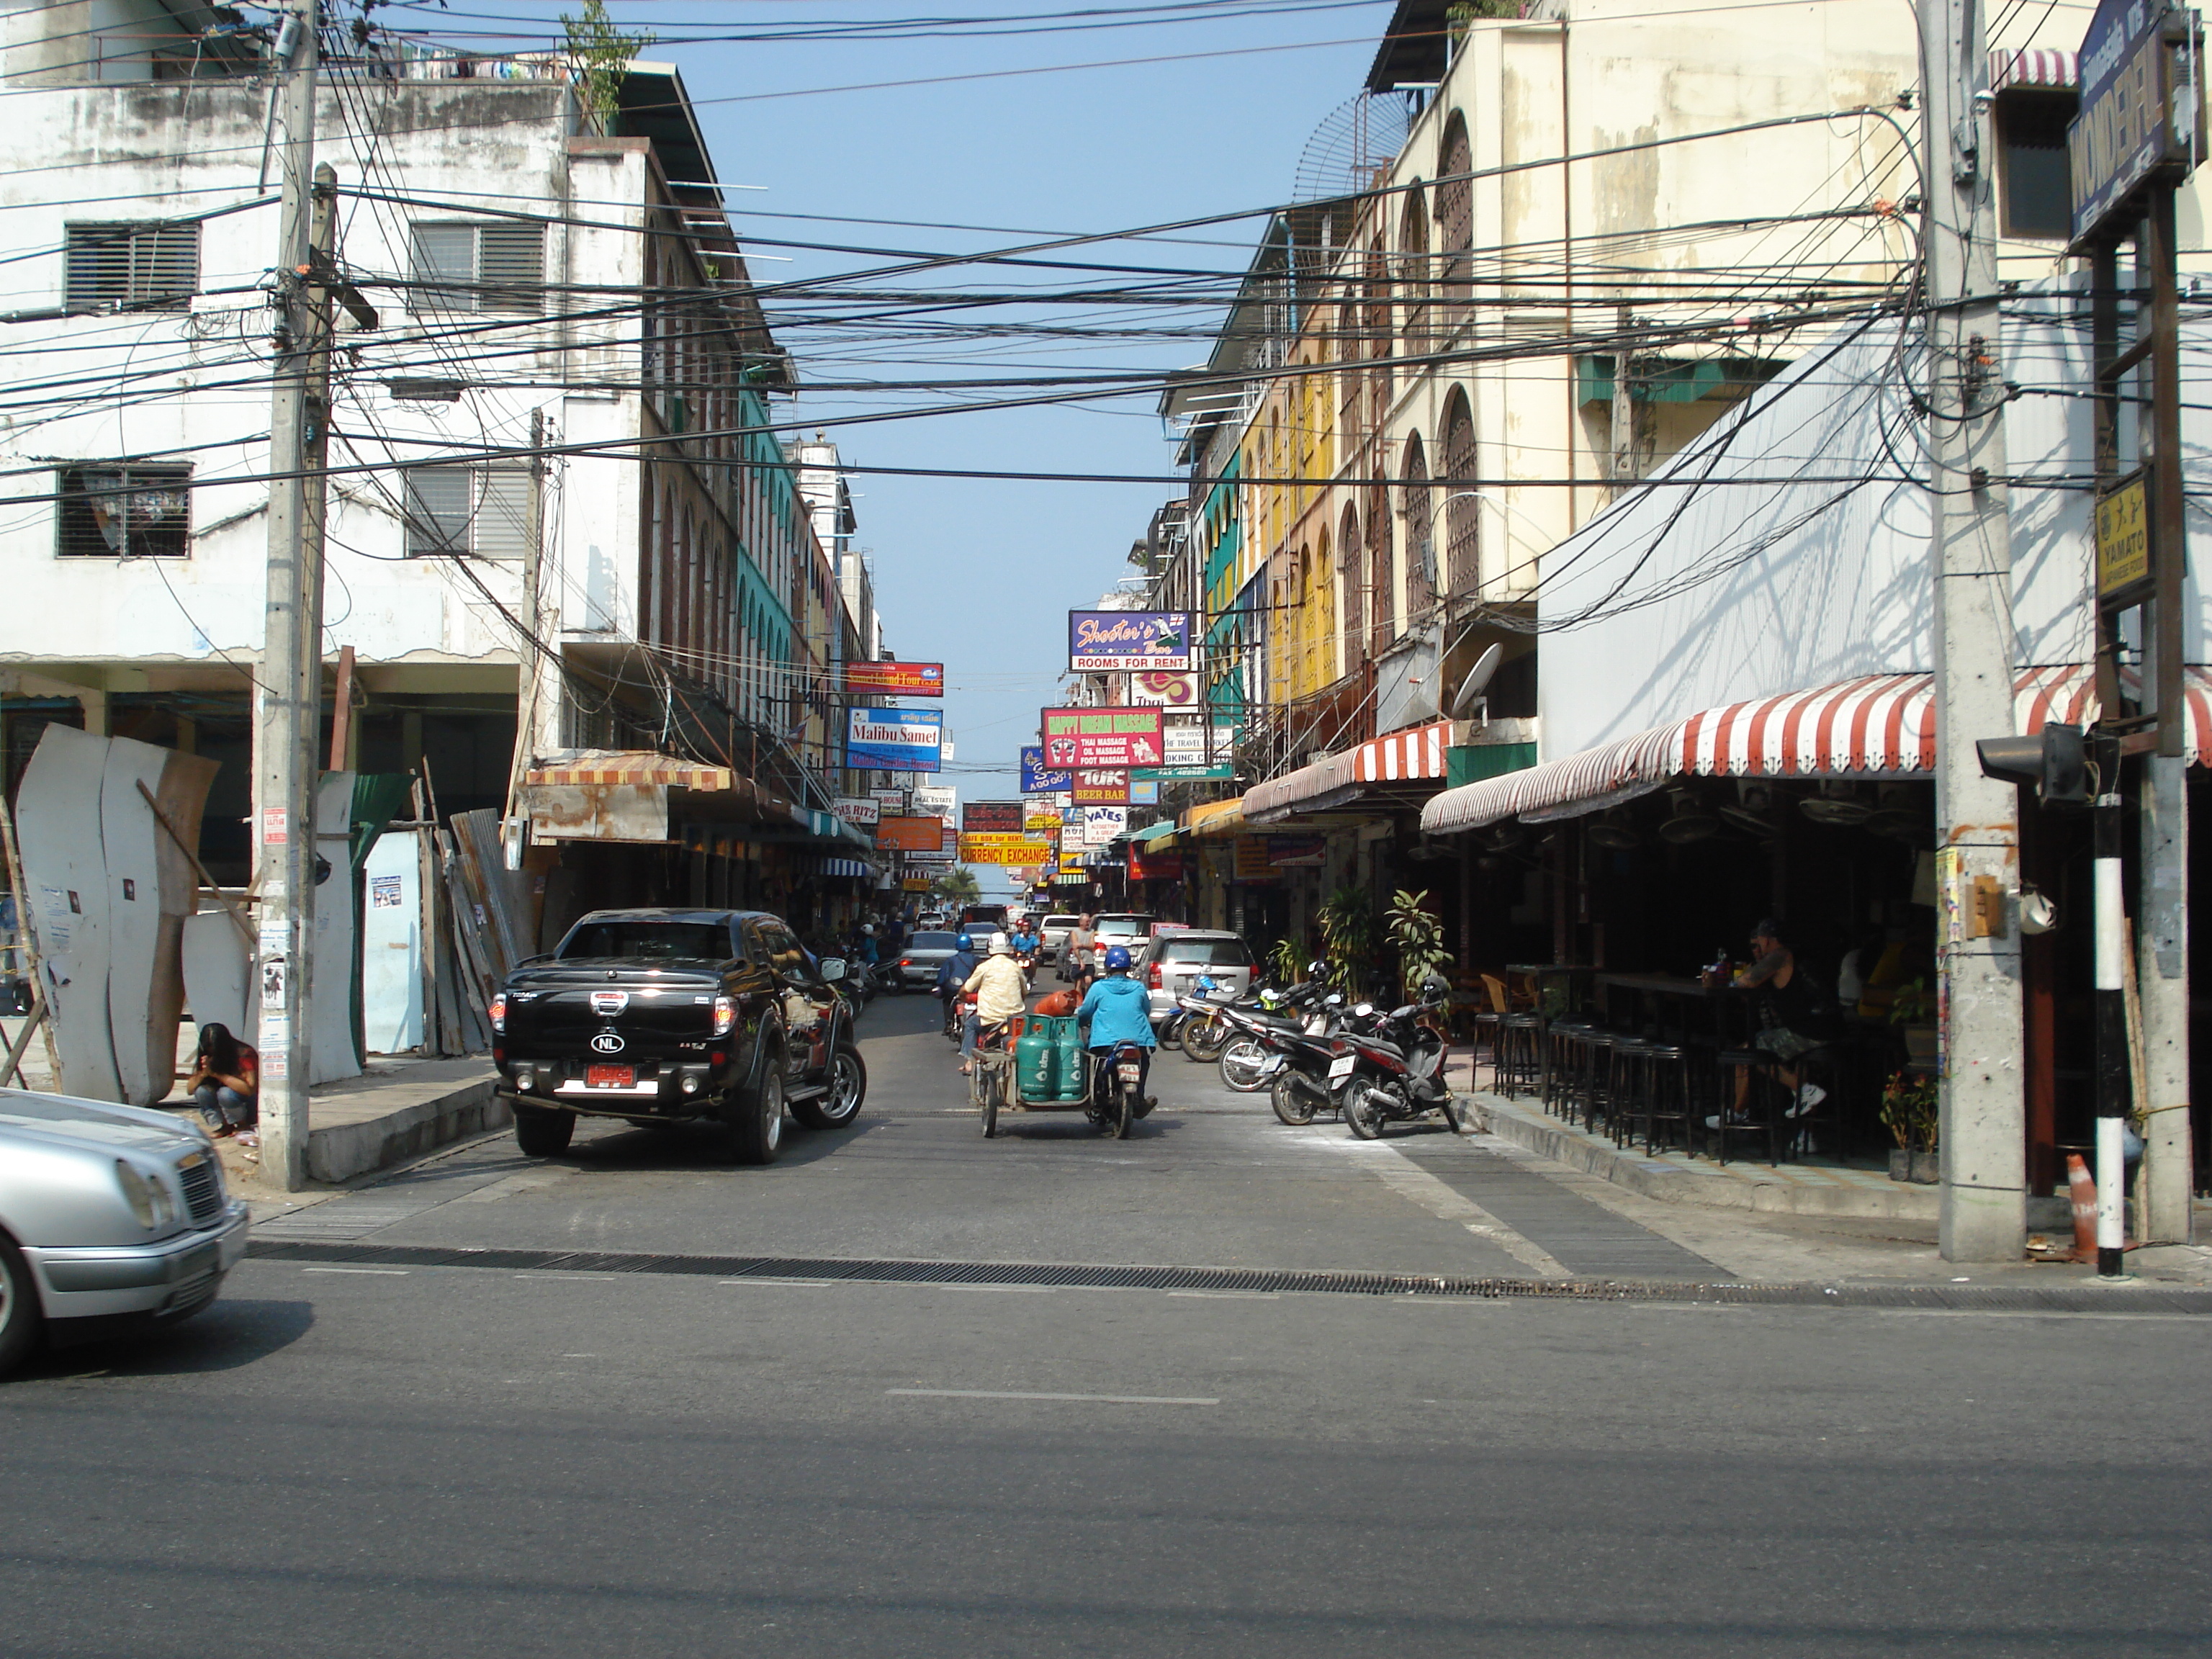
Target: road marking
(2029,1313)
(1232,1296)
(1408,1179)
(570,1279)
(389,1273)
(1083,1399)
(787,1284)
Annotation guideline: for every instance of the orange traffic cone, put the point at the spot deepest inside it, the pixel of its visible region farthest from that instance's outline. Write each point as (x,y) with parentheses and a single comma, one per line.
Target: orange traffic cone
(2081,1188)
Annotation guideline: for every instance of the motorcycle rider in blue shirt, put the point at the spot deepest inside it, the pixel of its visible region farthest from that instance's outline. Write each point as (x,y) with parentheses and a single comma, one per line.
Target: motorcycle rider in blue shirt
(1115,1011)
(950,979)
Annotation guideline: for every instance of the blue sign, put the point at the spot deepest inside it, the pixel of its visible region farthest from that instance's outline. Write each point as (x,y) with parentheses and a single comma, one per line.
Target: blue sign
(894,739)
(1036,780)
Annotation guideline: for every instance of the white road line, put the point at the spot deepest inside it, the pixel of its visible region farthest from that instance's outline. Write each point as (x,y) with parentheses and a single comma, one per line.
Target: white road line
(791,1284)
(1233,1295)
(1408,1179)
(1084,1399)
(570,1279)
(389,1273)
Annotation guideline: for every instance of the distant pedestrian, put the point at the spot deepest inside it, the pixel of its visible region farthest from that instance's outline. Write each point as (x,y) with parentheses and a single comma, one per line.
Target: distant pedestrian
(226,1081)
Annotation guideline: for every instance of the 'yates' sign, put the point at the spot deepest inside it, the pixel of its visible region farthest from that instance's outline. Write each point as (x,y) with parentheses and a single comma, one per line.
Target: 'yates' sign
(1129,641)
(1104,739)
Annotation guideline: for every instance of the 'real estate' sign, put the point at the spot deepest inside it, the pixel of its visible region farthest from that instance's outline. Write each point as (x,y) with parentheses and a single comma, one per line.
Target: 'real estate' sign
(894,739)
(916,679)
(2142,109)
(1129,641)
(1104,739)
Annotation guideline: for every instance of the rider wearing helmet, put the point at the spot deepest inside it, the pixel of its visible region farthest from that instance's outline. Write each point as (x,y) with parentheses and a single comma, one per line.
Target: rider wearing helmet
(953,976)
(1115,1011)
(1000,989)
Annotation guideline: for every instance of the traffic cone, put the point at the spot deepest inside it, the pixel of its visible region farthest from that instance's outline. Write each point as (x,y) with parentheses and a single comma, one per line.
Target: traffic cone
(2081,1188)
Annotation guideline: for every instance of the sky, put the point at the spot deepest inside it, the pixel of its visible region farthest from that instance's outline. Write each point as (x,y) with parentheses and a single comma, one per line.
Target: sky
(979,574)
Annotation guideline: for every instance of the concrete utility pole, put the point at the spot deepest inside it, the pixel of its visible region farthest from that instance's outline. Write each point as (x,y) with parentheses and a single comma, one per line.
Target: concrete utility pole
(1983,1121)
(291,658)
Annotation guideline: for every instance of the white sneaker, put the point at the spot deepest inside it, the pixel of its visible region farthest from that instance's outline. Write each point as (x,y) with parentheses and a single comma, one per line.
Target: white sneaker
(1808,1096)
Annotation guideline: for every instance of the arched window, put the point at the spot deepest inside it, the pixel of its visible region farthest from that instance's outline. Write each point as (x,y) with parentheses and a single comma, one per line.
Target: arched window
(1327,642)
(1377,326)
(1420,531)
(1413,272)
(1381,576)
(1456,215)
(1353,587)
(1462,562)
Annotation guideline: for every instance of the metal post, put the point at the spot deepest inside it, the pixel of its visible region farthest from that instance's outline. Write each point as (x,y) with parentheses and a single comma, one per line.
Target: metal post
(1624,406)
(290,684)
(1983,1125)
(2111,1018)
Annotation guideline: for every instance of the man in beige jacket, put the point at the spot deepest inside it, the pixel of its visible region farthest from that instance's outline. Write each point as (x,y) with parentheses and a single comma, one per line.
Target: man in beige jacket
(1002,990)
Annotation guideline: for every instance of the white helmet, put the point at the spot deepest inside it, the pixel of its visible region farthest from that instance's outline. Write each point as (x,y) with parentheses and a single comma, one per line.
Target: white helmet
(999,947)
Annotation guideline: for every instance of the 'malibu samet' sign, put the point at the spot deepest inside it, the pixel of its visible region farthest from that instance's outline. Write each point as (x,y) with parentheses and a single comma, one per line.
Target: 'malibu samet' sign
(1132,642)
(1104,739)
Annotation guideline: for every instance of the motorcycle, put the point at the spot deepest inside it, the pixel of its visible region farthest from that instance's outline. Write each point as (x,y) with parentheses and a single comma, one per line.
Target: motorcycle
(1298,1062)
(1203,1039)
(1177,1020)
(958,1007)
(1243,1057)
(1389,1068)
(1119,1099)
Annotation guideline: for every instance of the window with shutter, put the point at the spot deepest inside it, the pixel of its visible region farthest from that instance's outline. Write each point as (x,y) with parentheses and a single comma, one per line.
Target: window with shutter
(445,268)
(130,267)
(511,264)
(501,529)
(133,512)
(438,510)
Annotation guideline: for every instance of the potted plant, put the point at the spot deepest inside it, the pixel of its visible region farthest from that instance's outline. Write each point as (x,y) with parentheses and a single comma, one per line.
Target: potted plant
(1914,1008)
(1910,1112)
(1417,934)
(1347,933)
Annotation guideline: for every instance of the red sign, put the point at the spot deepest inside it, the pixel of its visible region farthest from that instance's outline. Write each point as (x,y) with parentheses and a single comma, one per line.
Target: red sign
(1104,740)
(916,679)
(1155,867)
(1099,789)
(996,817)
(909,835)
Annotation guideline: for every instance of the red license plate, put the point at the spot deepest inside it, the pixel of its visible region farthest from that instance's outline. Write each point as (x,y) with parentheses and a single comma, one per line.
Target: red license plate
(610,1077)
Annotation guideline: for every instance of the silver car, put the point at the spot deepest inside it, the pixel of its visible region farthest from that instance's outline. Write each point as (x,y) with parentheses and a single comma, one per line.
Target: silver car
(925,953)
(112,1218)
(1172,963)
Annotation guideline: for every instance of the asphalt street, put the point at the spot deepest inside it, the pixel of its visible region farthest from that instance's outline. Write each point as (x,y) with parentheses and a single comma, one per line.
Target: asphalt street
(353,1459)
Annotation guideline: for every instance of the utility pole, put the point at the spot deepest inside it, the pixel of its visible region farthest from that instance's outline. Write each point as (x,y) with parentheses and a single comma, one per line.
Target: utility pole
(1982,1133)
(1624,406)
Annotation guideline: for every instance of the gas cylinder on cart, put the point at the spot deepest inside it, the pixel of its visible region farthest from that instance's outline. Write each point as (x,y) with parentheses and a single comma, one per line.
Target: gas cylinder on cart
(1037,1061)
(1075,1062)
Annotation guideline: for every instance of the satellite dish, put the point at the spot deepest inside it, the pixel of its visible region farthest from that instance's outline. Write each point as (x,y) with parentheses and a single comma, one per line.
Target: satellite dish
(1477,677)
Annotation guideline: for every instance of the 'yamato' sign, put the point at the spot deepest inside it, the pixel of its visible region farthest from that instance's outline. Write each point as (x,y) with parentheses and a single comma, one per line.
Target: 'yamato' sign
(1131,641)
(1111,739)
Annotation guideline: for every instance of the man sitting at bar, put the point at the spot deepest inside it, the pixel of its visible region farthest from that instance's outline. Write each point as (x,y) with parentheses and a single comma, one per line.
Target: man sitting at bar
(1786,1005)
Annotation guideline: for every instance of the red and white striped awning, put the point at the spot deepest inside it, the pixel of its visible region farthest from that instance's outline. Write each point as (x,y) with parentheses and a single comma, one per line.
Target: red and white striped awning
(2032,66)
(591,766)
(1418,752)
(1883,725)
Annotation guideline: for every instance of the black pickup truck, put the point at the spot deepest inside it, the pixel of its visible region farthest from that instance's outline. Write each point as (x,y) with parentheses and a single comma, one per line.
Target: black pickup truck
(659,1016)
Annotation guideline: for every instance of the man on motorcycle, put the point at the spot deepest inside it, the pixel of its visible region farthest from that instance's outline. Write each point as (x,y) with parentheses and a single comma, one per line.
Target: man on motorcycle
(1117,1010)
(951,978)
(1025,938)
(1001,993)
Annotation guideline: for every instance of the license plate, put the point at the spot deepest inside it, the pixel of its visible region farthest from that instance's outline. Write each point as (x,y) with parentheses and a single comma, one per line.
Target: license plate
(1318,1026)
(610,1077)
(1341,1066)
(1130,1070)
(1273,1063)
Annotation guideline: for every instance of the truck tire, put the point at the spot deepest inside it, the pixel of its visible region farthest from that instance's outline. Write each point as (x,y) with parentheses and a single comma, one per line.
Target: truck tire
(848,1087)
(757,1119)
(21,1317)
(543,1131)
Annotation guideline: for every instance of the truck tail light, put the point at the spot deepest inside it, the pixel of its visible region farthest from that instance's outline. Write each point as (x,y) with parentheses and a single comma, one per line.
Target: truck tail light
(726,1015)
(499,1011)
(1152,978)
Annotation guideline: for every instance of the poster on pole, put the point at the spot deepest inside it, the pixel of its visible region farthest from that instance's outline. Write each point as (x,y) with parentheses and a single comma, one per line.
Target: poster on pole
(1111,739)
(1129,641)
(1036,778)
(913,679)
(902,739)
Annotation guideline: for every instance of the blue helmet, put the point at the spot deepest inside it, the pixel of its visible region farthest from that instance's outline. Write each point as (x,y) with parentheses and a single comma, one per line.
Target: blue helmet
(967,944)
(1117,959)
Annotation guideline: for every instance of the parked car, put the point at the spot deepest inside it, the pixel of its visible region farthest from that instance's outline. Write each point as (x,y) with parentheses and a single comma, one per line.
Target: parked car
(991,915)
(658,1015)
(1172,963)
(1052,937)
(112,1220)
(925,953)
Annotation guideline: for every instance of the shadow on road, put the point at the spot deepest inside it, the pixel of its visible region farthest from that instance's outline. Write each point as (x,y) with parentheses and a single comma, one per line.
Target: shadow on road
(231,1334)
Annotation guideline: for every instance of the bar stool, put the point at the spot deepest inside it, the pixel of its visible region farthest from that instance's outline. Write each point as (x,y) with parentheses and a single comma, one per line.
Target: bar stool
(1562,1065)
(1520,1054)
(1818,1129)
(1625,1085)
(1663,1097)
(1762,1109)
(1594,1085)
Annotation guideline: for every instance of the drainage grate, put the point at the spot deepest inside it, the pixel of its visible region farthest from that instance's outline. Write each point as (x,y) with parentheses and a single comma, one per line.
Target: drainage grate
(1974,1297)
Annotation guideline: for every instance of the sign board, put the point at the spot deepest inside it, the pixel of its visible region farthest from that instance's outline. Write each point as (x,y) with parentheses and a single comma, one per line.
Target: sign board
(937,797)
(915,883)
(2123,550)
(1169,691)
(891,800)
(2141,113)
(909,835)
(1038,821)
(992,818)
(908,740)
(917,679)
(1253,859)
(863,810)
(1104,739)
(1003,849)
(1144,791)
(1071,878)
(1154,867)
(1129,641)
(1185,745)
(1036,778)
(1220,773)
(1100,789)
(1296,852)
(1101,823)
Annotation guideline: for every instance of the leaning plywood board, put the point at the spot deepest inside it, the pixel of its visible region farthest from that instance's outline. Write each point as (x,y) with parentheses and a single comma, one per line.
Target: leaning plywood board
(329,980)
(151,888)
(58,823)
(216,972)
(392,945)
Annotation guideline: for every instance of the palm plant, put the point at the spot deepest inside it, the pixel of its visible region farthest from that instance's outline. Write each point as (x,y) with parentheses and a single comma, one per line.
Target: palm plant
(1347,933)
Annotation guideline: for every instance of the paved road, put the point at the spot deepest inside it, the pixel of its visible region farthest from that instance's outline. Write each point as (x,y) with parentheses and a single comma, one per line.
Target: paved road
(473,1461)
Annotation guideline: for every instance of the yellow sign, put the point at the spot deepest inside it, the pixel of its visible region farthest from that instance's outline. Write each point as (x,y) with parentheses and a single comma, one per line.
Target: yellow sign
(2123,536)
(1043,824)
(1003,849)
(913,884)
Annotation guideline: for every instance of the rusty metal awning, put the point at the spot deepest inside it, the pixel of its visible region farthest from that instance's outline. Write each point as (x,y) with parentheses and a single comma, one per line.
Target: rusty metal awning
(628,766)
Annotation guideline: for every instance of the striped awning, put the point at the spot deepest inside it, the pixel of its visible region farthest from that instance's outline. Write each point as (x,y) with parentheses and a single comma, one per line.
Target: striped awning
(1307,787)
(1418,752)
(632,766)
(1883,725)
(1214,817)
(2034,66)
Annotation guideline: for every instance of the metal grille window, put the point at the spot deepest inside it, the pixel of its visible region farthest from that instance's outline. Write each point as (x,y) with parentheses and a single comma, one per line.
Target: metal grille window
(134,512)
(481,511)
(1455,212)
(130,267)
(465,267)
(1462,565)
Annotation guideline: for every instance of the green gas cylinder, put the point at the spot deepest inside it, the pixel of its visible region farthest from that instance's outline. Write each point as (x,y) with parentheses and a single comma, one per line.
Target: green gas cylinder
(1072,1060)
(1036,1062)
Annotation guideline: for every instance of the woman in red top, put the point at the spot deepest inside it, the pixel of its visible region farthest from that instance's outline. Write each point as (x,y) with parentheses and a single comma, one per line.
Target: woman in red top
(226,1081)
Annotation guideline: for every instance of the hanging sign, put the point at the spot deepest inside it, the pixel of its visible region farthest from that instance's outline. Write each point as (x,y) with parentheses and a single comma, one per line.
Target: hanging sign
(1104,739)
(863,810)
(2124,542)
(2142,111)
(992,816)
(916,679)
(1100,789)
(1038,821)
(1169,691)
(1154,867)
(1003,850)
(1129,641)
(1220,773)
(1254,861)
(1036,778)
(891,800)
(907,739)
(910,835)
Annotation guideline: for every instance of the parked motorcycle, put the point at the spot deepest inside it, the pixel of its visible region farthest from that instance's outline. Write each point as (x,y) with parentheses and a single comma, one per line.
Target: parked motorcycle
(1243,1058)
(1209,1032)
(1298,1062)
(1389,1068)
